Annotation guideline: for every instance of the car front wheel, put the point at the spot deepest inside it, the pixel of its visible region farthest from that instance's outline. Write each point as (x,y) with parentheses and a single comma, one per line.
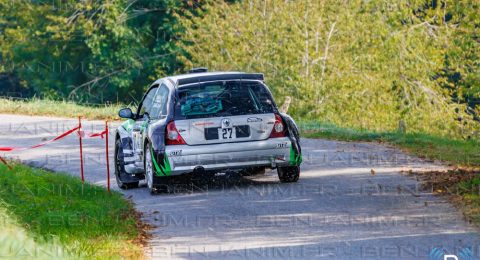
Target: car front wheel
(289,173)
(120,173)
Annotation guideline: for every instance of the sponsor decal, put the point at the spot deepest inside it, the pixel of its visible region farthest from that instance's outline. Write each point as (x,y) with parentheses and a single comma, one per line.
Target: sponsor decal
(175,153)
(128,125)
(254,119)
(226,123)
(202,123)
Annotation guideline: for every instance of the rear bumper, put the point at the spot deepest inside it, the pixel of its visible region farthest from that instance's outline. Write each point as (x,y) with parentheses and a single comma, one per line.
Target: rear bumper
(271,152)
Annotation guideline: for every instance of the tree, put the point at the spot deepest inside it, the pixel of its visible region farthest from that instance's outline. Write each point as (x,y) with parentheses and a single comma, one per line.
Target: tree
(371,65)
(91,50)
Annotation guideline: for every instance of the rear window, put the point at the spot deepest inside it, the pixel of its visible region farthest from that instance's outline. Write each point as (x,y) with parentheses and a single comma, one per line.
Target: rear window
(218,99)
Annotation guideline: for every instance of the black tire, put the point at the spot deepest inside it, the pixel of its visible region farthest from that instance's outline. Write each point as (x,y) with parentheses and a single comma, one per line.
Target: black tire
(289,173)
(149,171)
(126,185)
(120,173)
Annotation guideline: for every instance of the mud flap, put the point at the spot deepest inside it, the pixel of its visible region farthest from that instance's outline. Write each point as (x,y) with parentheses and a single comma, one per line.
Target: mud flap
(294,135)
(161,163)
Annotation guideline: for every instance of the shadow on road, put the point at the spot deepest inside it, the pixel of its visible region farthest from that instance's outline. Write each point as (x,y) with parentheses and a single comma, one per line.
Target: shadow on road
(188,184)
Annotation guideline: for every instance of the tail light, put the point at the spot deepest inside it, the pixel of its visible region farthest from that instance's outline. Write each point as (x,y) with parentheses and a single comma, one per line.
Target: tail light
(278,128)
(172,136)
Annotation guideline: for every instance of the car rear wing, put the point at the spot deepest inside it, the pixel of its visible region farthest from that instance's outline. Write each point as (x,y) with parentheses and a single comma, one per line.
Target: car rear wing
(220,77)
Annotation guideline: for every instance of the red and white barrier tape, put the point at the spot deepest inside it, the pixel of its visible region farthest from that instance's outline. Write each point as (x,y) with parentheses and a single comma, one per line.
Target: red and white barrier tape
(80,133)
(85,134)
(10,148)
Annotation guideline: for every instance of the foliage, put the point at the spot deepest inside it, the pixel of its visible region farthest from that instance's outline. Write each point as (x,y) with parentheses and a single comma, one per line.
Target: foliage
(461,185)
(90,50)
(370,65)
(86,219)
(373,65)
(59,109)
(457,152)
(16,242)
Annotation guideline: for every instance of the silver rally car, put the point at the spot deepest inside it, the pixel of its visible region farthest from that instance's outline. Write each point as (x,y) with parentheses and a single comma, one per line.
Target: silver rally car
(203,123)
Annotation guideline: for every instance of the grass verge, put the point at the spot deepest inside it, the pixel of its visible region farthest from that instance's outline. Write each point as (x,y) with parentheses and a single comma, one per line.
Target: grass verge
(85,219)
(16,243)
(461,186)
(457,152)
(59,109)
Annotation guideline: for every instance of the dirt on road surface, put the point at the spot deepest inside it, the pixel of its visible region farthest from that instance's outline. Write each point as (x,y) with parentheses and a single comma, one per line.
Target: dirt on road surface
(351,202)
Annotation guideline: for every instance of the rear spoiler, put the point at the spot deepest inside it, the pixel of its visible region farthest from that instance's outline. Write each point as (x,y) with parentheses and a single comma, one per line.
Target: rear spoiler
(219,77)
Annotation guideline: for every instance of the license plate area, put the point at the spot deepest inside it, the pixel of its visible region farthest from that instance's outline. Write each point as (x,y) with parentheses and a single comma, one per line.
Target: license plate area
(215,133)
(227,133)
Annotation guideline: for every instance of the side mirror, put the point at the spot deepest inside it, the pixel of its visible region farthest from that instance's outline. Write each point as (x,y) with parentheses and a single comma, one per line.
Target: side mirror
(125,113)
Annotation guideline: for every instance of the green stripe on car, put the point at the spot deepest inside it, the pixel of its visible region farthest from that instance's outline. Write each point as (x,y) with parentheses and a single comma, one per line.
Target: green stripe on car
(167,170)
(128,125)
(160,170)
(295,159)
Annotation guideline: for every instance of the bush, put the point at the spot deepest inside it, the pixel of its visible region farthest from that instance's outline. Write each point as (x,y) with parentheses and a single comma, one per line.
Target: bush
(368,65)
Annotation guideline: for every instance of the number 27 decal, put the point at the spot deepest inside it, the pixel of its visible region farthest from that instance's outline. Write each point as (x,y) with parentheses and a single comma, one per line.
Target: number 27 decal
(227,133)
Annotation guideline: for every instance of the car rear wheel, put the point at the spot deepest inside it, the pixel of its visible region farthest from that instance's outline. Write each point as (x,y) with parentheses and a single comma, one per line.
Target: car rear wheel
(155,184)
(120,173)
(289,173)
(149,169)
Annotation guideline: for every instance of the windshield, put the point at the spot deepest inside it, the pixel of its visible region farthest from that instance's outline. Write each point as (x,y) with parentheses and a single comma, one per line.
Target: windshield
(228,98)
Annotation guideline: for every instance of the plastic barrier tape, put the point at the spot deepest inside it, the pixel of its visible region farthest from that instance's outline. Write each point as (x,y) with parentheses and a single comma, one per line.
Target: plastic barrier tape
(9,149)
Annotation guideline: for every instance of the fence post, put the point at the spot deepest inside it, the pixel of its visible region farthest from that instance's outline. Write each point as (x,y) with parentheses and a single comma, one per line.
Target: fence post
(5,162)
(81,148)
(106,153)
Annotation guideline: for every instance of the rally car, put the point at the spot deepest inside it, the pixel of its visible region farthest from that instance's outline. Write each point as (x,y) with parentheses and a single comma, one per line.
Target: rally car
(205,122)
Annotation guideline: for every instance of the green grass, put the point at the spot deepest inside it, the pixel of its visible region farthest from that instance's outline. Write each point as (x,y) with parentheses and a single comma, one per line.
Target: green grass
(85,219)
(471,198)
(16,242)
(458,152)
(59,109)
(460,185)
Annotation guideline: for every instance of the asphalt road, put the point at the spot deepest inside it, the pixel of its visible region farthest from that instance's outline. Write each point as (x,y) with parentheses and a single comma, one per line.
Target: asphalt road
(338,210)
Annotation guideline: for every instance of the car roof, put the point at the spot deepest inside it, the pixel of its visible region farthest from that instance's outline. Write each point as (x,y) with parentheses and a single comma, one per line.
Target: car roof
(191,78)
